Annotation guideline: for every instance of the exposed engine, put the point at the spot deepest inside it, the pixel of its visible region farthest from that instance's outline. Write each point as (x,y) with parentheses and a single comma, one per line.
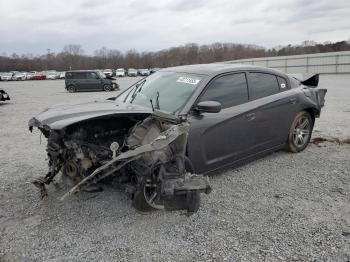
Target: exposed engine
(145,155)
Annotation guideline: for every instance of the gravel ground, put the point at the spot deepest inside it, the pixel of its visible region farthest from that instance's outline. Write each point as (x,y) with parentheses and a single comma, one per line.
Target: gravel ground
(284,207)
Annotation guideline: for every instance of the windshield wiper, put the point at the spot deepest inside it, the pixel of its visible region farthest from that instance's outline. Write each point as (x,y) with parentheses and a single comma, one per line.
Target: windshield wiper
(137,90)
(157,101)
(152,104)
(140,84)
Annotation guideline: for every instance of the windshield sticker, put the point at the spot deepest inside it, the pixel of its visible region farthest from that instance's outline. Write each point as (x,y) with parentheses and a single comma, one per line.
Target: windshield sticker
(188,80)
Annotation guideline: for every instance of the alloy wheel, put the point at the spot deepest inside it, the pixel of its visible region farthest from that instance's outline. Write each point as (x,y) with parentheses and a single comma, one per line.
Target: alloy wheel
(301,132)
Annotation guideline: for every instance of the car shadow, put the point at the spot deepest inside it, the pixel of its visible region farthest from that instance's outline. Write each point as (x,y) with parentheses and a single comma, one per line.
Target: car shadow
(5,103)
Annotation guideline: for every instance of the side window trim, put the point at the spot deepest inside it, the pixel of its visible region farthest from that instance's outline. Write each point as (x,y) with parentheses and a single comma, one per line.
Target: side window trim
(222,75)
(218,76)
(250,89)
(285,80)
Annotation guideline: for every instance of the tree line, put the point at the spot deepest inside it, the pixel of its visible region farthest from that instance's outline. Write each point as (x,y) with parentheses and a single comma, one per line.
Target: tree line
(73,56)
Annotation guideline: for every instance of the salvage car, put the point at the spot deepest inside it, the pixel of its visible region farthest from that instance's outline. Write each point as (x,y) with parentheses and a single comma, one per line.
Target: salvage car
(29,75)
(17,76)
(144,72)
(108,72)
(160,137)
(3,95)
(88,80)
(52,76)
(38,76)
(120,72)
(132,72)
(62,75)
(6,77)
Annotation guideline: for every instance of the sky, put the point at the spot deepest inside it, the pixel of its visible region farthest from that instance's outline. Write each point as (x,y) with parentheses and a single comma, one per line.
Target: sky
(37,25)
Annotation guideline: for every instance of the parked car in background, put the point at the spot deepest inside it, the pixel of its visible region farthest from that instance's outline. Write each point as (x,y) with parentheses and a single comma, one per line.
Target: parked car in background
(38,76)
(52,75)
(132,72)
(19,76)
(120,72)
(62,75)
(88,80)
(144,72)
(6,76)
(29,75)
(108,72)
(153,70)
(3,95)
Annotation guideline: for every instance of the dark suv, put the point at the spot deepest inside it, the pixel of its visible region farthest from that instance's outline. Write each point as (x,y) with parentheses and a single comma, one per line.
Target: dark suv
(88,80)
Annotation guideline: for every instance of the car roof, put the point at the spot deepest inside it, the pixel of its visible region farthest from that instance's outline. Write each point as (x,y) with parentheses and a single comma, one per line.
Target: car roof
(218,68)
(81,71)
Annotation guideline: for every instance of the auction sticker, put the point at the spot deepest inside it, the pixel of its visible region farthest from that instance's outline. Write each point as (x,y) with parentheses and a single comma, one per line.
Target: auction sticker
(188,80)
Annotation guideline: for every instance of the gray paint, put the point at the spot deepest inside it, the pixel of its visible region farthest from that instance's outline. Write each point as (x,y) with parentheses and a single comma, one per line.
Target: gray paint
(215,139)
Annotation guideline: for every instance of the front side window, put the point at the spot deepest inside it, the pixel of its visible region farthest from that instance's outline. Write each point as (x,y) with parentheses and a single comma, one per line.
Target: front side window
(167,91)
(229,90)
(91,75)
(261,85)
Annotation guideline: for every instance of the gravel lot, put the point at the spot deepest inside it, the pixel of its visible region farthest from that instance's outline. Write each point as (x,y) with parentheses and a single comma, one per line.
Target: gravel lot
(284,207)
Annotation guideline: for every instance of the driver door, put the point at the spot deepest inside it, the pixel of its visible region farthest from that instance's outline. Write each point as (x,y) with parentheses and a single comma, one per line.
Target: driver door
(93,81)
(219,139)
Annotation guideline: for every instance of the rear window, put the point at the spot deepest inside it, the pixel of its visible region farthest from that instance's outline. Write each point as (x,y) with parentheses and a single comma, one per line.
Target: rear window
(262,84)
(69,75)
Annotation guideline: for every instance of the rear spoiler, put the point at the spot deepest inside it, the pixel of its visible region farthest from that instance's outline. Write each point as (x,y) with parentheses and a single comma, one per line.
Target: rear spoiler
(307,79)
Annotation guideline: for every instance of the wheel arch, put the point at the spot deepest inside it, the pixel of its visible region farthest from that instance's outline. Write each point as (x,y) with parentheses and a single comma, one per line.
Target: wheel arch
(314,112)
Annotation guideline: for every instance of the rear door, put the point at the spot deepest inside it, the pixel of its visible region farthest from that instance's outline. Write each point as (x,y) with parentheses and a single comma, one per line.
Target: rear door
(80,80)
(217,139)
(274,106)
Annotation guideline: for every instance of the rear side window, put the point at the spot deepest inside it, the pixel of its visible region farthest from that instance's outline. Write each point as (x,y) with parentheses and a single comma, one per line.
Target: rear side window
(282,83)
(261,85)
(229,90)
(80,75)
(91,75)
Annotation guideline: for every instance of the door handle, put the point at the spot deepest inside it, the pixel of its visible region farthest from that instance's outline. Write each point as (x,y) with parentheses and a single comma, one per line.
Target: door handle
(250,116)
(292,100)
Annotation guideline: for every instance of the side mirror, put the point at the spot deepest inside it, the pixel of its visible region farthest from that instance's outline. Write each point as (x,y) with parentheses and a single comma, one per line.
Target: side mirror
(208,107)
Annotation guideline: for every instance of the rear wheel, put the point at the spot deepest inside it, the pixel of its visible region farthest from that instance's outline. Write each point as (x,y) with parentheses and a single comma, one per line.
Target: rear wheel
(300,132)
(71,89)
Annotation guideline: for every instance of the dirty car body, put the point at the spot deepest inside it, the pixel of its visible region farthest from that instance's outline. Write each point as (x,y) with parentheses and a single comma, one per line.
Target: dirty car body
(178,122)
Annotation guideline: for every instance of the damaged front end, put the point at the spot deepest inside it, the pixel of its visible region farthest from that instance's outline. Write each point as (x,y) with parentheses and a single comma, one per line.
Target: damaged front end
(144,153)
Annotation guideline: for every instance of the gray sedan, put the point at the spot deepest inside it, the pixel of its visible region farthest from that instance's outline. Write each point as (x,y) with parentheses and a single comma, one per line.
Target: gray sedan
(180,120)
(236,112)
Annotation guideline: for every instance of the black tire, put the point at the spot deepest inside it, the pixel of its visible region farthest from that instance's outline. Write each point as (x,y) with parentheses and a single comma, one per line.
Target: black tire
(71,89)
(300,132)
(140,204)
(139,201)
(107,88)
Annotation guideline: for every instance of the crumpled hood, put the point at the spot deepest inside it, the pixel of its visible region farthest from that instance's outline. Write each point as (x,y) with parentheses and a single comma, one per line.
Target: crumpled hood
(60,116)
